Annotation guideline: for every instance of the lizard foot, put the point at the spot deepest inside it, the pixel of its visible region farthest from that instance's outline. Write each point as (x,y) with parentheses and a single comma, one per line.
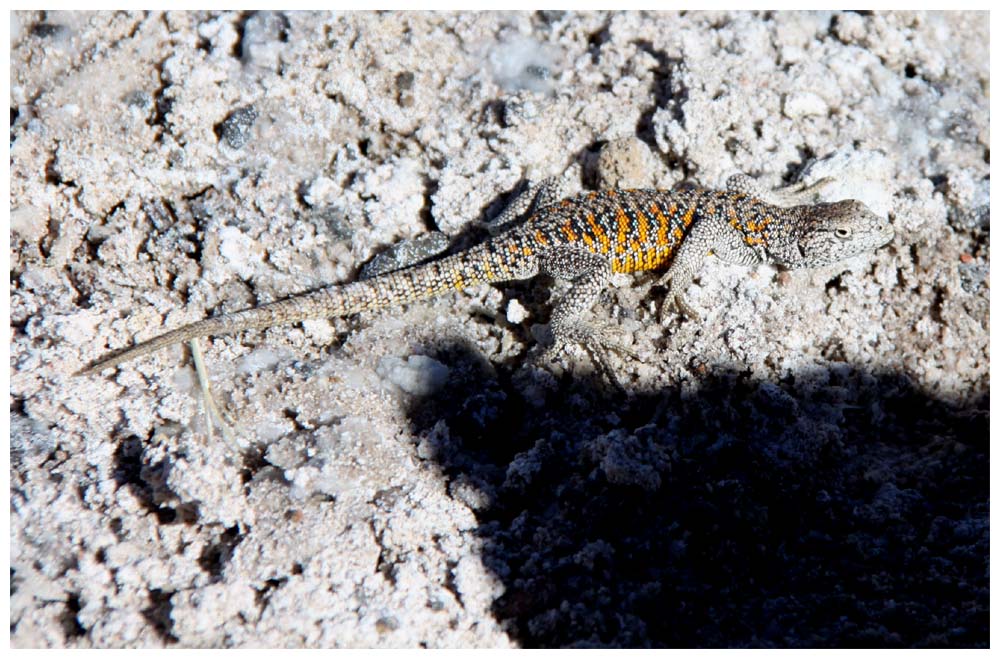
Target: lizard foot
(680,302)
(598,342)
(675,300)
(212,410)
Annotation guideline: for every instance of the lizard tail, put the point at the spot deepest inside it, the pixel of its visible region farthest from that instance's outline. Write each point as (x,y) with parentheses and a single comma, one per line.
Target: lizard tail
(276,313)
(392,289)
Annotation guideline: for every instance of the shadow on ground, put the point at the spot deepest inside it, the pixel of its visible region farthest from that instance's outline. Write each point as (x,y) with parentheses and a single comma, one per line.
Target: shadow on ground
(836,508)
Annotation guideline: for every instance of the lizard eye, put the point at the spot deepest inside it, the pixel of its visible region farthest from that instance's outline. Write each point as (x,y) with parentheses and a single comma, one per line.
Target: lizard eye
(842,232)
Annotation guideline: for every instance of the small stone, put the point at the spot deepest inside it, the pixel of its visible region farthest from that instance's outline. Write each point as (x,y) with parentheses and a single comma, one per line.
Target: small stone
(235,129)
(973,276)
(625,163)
(804,104)
(417,374)
(45,30)
(516,313)
(29,222)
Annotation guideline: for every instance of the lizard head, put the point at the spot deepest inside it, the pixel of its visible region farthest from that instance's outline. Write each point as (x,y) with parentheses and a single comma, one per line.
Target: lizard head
(831,232)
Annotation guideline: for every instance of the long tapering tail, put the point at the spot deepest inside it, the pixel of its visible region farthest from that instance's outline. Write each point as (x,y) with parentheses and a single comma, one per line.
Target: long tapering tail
(392,289)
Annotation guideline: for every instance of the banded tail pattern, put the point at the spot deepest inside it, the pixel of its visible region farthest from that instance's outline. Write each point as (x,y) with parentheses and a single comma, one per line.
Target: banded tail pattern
(479,265)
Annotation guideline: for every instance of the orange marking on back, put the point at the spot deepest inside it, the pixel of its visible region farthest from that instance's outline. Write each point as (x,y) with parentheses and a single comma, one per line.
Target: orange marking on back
(622,220)
(662,222)
(657,257)
(540,237)
(689,216)
(567,230)
(758,225)
(661,234)
(643,227)
(602,237)
(657,213)
(527,251)
(734,219)
(678,234)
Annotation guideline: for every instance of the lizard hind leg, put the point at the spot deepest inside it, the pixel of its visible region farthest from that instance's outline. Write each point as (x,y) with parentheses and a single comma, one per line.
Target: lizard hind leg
(533,198)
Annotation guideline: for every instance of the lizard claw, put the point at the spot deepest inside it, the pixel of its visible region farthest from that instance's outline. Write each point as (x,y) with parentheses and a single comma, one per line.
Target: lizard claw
(599,343)
(685,307)
(676,300)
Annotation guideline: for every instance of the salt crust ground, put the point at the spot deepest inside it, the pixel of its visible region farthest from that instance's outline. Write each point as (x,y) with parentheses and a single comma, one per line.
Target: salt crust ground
(165,167)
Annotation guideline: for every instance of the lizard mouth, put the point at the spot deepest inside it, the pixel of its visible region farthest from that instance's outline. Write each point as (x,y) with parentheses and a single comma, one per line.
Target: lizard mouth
(888,233)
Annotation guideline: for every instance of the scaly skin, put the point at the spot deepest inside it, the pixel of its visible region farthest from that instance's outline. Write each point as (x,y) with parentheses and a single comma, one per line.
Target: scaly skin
(586,239)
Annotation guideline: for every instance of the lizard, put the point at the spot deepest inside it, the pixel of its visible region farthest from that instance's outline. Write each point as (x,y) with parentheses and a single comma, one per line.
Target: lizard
(587,239)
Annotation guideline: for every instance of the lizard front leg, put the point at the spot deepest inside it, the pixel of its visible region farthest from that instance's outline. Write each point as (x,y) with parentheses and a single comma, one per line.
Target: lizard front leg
(591,274)
(686,264)
(789,196)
